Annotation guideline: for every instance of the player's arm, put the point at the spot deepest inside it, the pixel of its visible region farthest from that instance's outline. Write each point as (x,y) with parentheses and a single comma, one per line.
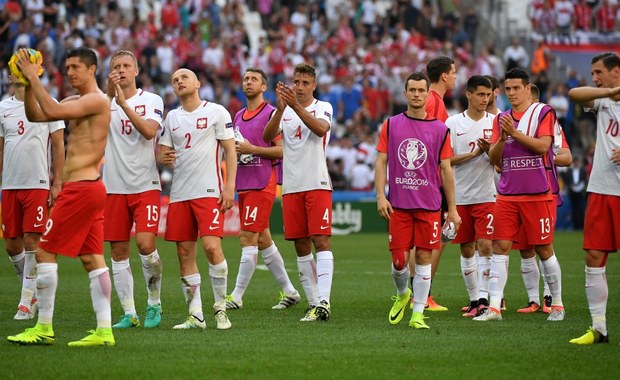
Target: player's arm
(33,111)
(273,125)
(538,145)
(461,158)
(383,205)
(227,198)
(1,155)
(318,126)
(498,140)
(563,158)
(271,152)
(447,181)
(585,96)
(166,155)
(58,158)
(146,127)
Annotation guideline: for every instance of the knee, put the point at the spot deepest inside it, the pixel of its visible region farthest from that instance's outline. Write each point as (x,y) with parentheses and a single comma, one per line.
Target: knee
(399,259)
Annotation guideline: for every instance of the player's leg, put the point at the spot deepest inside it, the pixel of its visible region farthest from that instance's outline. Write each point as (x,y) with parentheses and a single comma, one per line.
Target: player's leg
(547,298)
(319,210)
(12,219)
(47,283)
(401,231)
(146,211)
(289,296)
(469,270)
(123,283)
(485,254)
(531,278)
(431,304)
(28,301)
(295,222)
(100,292)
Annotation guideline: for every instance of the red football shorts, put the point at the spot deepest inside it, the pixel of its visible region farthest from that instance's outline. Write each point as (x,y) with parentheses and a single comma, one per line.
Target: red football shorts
(416,228)
(601,229)
(522,244)
(255,210)
(307,213)
(75,225)
(122,210)
(477,222)
(187,220)
(24,211)
(536,217)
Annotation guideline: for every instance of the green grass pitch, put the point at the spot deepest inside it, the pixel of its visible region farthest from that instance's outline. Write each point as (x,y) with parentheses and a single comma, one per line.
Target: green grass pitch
(357,343)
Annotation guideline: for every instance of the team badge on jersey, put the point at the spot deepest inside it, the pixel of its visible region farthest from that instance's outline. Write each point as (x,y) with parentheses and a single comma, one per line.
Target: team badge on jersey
(201,123)
(487,134)
(412,153)
(140,110)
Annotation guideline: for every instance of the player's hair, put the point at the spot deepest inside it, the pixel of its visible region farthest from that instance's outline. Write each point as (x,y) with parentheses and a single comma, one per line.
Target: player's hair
(609,59)
(518,73)
(123,53)
(535,91)
(85,55)
(305,68)
(258,71)
(494,82)
(437,66)
(478,80)
(416,76)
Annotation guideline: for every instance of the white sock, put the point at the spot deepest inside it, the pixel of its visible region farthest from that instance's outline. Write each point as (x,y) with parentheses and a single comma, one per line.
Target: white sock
(100,293)
(553,274)
(190,285)
(247,266)
(123,283)
(219,276)
(497,280)
(325,274)
(307,276)
(597,293)
(531,278)
(18,264)
(470,276)
(401,279)
(47,282)
(421,287)
(152,271)
(546,290)
(29,283)
(275,263)
(484,269)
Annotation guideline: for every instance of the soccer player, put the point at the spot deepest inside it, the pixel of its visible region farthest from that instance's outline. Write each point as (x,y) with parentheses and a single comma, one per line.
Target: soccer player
(75,228)
(414,150)
(530,270)
(602,221)
(492,106)
(194,137)
(256,184)
(442,74)
(132,183)
(521,144)
(26,194)
(305,124)
(470,133)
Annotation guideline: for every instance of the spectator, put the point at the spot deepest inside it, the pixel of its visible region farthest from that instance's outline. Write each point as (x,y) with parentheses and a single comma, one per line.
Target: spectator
(336,174)
(606,17)
(362,175)
(350,98)
(515,55)
(575,179)
(563,18)
(583,16)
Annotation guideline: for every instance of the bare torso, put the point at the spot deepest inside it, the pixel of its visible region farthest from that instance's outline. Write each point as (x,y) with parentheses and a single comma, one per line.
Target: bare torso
(86,143)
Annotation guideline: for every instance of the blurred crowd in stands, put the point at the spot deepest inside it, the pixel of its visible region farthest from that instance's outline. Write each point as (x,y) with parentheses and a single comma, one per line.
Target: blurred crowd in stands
(363,50)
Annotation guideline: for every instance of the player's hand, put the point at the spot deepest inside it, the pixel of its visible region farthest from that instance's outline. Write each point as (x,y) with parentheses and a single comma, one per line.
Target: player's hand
(615,156)
(113,79)
(614,92)
(167,158)
(484,145)
(454,217)
(29,70)
(54,191)
(384,207)
(287,94)
(244,147)
(280,102)
(120,96)
(226,200)
(507,124)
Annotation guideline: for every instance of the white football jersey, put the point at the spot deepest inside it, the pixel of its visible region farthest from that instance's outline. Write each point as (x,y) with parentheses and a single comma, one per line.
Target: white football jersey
(130,166)
(605,176)
(304,161)
(26,147)
(474,179)
(195,136)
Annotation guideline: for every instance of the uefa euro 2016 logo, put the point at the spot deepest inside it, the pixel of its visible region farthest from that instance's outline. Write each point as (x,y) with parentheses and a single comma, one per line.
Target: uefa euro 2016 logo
(412,154)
